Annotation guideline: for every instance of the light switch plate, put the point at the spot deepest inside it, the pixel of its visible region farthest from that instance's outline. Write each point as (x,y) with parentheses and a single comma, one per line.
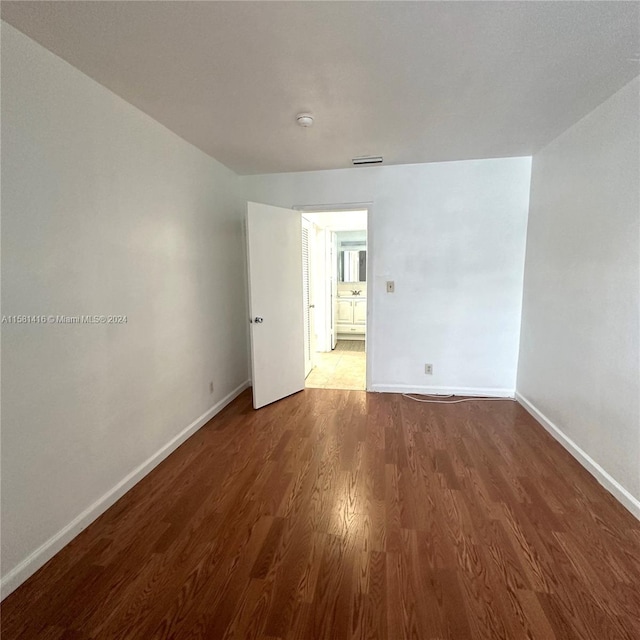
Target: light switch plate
(391,286)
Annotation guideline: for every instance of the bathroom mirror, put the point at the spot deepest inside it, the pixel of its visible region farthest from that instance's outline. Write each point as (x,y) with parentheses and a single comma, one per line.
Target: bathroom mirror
(352,266)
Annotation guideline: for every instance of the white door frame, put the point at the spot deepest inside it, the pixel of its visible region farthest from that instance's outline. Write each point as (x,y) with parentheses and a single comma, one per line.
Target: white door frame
(309,302)
(332,288)
(371,289)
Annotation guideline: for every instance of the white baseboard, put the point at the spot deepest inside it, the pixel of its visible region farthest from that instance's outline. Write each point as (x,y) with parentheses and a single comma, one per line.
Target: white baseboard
(14,578)
(606,480)
(439,391)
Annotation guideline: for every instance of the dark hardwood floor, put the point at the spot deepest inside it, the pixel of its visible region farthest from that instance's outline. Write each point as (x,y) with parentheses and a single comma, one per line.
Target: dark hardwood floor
(341,514)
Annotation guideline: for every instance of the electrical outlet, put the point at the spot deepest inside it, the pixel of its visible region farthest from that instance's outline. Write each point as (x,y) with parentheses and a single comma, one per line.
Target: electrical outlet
(428,369)
(211,387)
(391,286)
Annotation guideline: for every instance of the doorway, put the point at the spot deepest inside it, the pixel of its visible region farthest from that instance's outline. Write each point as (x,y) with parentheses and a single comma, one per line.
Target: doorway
(335,266)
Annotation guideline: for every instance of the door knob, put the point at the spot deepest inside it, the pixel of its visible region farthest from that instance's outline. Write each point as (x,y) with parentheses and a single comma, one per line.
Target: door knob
(312,306)
(258,320)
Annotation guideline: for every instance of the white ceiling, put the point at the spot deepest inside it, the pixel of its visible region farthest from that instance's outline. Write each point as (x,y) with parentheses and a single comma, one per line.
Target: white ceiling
(411,81)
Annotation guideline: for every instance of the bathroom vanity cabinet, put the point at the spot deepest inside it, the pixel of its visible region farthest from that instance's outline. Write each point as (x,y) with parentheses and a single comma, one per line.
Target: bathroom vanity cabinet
(351,317)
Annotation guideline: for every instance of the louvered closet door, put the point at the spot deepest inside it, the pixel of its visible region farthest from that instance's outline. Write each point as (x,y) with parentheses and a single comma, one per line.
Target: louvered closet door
(306,297)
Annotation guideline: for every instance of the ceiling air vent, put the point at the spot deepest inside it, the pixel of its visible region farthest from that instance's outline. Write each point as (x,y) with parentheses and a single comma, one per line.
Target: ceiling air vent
(367,160)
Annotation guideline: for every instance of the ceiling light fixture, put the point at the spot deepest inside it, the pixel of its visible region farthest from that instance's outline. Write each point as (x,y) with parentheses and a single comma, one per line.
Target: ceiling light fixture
(304,119)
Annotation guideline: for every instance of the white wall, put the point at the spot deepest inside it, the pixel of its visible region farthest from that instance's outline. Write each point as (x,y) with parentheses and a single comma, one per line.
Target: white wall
(579,352)
(104,212)
(452,236)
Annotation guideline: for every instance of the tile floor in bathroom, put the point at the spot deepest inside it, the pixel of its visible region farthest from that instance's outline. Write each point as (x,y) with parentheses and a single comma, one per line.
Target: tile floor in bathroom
(343,368)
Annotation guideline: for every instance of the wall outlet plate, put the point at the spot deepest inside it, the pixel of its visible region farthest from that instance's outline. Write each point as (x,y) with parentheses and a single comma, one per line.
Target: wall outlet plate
(211,387)
(428,369)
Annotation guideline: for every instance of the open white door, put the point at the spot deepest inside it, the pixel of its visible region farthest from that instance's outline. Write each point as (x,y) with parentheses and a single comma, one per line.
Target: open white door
(274,250)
